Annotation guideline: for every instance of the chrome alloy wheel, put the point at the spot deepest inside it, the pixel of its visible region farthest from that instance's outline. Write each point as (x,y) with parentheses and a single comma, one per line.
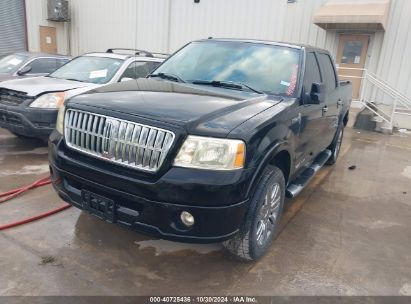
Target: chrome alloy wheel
(268,215)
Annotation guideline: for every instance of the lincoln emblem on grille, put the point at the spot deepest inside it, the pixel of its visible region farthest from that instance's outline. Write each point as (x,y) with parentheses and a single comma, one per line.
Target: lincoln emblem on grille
(110,129)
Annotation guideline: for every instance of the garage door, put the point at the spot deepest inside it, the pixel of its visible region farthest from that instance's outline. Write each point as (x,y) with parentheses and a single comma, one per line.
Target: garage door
(12,25)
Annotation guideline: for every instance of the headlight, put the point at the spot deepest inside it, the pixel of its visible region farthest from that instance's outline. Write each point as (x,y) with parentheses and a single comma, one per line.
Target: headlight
(60,120)
(49,100)
(211,153)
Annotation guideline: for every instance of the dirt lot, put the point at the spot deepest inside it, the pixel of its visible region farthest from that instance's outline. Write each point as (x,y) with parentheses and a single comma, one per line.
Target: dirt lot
(348,233)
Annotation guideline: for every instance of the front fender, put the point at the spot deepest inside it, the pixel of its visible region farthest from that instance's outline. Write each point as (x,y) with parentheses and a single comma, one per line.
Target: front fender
(267,134)
(271,153)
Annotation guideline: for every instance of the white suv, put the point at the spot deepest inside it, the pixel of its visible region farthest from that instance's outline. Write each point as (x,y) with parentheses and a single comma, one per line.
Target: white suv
(28,107)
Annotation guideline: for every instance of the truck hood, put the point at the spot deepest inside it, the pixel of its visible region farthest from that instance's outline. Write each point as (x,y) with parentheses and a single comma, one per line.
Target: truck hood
(35,86)
(200,110)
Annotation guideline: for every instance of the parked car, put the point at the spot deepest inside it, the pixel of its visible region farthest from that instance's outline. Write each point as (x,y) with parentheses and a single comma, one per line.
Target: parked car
(205,149)
(26,64)
(28,107)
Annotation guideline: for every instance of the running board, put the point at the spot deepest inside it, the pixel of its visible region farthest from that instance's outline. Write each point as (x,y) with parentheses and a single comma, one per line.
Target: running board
(299,184)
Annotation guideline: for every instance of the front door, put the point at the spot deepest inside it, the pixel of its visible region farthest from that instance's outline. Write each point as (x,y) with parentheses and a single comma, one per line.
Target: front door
(351,57)
(310,119)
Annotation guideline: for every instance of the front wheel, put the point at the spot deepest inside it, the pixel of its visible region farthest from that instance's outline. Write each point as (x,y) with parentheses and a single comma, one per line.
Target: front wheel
(19,135)
(261,224)
(335,146)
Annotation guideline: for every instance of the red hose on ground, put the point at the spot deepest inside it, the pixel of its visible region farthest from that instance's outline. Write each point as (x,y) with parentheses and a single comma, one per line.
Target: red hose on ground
(15,192)
(34,218)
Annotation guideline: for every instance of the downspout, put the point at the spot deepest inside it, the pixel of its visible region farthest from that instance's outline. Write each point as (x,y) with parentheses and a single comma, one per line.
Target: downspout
(168,26)
(25,25)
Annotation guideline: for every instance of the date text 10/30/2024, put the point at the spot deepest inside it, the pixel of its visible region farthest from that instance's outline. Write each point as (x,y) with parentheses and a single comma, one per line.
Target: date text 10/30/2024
(204,299)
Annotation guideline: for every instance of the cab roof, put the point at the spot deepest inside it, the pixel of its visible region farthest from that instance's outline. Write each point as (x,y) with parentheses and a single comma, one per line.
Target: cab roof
(277,43)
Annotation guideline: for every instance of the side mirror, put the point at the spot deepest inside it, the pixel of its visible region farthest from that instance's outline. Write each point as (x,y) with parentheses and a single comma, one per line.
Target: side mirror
(24,70)
(126,79)
(316,95)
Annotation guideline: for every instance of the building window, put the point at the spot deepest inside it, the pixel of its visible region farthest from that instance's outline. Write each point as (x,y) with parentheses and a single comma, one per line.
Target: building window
(352,52)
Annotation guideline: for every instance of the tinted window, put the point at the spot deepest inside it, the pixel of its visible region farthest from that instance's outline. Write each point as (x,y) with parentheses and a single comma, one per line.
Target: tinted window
(269,68)
(46,65)
(12,63)
(138,69)
(61,62)
(327,70)
(312,72)
(154,65)
(91,69)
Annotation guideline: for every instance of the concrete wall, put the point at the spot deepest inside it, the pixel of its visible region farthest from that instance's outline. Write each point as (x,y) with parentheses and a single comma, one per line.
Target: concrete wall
(166,25)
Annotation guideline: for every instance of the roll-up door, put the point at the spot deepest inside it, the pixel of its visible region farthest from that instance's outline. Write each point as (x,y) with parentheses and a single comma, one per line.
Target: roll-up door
(12,27)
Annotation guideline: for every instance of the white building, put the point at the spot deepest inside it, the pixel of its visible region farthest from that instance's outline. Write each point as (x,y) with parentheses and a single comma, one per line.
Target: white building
(374,35)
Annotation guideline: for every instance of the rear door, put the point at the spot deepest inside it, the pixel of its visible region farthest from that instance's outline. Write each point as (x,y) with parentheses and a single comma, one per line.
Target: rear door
(332,98)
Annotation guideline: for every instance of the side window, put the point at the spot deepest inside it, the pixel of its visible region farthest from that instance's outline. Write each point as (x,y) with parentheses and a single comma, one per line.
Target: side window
(312,72)
(327,70)
(61,62)
(44,65)
(154,65)
(137,69)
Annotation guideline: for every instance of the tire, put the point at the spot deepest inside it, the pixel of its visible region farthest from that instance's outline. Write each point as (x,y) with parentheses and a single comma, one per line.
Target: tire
(261,224)
(24,137)
(335,146)
(19,135)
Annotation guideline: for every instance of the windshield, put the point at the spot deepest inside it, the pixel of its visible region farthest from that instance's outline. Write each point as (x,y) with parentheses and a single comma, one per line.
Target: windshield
(267,68)
(12,63)
(98,70)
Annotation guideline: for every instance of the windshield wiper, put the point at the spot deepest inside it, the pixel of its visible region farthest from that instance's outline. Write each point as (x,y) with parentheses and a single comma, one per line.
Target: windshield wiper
(168,76)
(227,84)
(72,79)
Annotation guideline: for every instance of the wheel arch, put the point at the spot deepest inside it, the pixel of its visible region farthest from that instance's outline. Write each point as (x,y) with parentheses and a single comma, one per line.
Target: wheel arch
(282,160)
(279,156)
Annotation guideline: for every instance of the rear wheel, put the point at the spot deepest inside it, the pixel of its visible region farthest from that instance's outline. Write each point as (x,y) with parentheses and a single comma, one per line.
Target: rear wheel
(262,220)
(335,146)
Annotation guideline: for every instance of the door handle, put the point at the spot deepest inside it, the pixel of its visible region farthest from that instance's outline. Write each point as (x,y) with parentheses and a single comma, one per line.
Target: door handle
(339,103)
(325,109)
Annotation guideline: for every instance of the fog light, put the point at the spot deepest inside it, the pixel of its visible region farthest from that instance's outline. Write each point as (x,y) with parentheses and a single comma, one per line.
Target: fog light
(187,218)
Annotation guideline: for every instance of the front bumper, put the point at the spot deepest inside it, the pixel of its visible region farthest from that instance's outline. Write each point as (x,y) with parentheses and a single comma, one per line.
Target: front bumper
(216,219)
(30,122)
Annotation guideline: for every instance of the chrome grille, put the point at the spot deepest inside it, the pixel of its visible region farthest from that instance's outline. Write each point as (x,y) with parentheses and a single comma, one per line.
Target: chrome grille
(119,141)
(12,98)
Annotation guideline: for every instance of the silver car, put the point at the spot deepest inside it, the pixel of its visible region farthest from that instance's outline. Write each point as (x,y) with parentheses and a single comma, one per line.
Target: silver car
(27,64)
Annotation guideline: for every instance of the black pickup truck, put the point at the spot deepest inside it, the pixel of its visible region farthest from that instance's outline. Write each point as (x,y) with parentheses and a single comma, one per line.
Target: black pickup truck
(207,147)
